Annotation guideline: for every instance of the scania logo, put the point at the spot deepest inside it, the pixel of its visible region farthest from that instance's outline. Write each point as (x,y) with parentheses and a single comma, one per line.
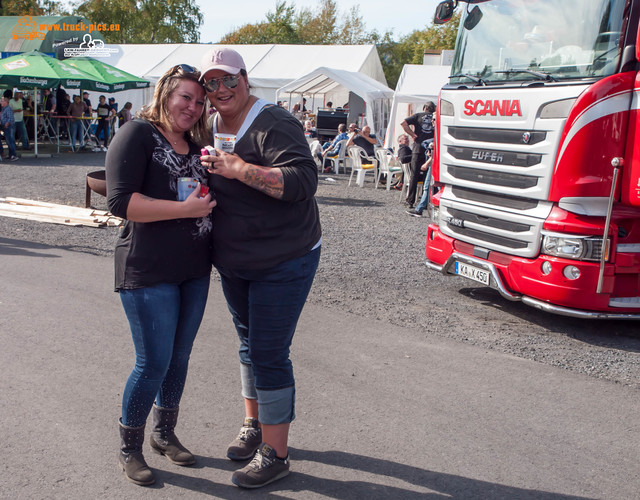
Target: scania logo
(506,107)
(526,137)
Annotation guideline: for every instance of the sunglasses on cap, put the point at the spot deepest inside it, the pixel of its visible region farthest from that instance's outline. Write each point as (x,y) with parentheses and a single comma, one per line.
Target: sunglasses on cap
(229,81)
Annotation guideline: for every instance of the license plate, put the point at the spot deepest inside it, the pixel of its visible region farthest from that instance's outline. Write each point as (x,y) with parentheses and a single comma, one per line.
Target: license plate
(452,221)
(472,272)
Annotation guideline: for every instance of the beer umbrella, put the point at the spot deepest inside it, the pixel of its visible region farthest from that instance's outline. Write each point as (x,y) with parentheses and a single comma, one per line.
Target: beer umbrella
(107,78)
(39,71)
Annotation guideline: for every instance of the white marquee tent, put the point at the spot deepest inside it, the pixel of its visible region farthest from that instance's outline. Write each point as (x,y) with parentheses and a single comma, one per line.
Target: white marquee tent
(332,84)
(417,85)
(269,66)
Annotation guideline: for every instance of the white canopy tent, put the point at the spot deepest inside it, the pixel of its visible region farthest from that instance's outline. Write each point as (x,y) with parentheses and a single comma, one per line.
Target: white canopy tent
(332,84)
(417,85)
(269,66)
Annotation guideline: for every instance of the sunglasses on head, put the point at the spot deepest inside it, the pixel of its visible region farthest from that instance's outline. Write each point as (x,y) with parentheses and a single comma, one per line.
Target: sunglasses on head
(184,68)
(229,81)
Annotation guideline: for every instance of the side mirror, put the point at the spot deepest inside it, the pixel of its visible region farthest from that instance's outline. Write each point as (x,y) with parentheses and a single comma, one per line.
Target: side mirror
(444,12)
(473,18)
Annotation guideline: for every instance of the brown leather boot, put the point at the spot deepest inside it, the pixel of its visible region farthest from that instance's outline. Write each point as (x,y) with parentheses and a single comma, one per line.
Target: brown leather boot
(130,457)
(164,441)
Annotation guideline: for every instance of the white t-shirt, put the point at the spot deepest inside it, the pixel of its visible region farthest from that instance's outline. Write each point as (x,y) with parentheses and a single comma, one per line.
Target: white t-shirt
(17,105)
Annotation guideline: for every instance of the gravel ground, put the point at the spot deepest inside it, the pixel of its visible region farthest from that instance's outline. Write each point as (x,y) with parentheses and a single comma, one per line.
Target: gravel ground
(372,265)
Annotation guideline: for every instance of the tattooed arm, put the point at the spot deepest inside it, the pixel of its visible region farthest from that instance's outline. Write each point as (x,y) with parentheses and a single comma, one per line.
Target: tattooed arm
(269,181)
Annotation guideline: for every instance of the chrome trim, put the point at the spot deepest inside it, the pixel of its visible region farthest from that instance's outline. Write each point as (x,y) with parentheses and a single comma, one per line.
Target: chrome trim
(483,264)
(607,223)
(530,301)
(576,313)
(628,248)
(596,206)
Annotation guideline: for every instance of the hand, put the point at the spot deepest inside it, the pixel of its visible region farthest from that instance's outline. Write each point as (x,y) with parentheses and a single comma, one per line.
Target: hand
(198,207)
(227,165)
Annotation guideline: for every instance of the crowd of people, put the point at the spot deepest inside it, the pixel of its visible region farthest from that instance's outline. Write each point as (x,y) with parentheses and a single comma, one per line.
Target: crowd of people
(60,116)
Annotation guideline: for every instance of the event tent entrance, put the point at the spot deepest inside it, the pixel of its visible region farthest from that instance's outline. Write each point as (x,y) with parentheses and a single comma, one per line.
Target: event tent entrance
(417,85)
(331,84)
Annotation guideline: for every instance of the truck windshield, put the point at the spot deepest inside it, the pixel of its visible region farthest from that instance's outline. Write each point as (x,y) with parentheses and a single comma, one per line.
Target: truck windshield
(517,40)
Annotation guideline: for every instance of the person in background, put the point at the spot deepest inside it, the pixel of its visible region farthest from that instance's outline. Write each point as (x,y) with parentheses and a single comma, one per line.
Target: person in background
(27,107)
(17,107)
(124,115)
(329,106)
(113,104)
(63,101)
(426,167)
(266,247)
(7,122)
(363,138)
(105,112)
(422,130)
(76,130)
(332,149)
(162,260)
(403,155)
(309,131)
(88,114)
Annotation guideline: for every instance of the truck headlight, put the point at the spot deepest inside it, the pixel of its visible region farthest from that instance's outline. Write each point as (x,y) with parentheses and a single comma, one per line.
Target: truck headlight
(435,214)
(574,247)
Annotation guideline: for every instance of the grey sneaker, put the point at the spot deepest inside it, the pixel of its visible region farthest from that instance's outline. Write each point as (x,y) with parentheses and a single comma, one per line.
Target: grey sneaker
(413,212)
(245,445)
(265,468)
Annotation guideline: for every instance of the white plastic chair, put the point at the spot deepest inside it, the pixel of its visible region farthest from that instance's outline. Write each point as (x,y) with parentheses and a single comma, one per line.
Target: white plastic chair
(341,157)
(386,166)
(358,156)
(315,147)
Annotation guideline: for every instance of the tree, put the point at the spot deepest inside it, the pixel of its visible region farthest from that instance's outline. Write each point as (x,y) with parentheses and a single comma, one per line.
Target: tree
(145,21)
(29,8)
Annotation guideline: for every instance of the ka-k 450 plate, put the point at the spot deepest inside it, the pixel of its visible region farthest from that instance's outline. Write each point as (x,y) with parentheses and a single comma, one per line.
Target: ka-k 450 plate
(472,272)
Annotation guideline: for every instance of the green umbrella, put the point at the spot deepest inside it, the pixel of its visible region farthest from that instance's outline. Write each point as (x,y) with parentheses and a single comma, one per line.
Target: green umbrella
(107,78)
(37,70)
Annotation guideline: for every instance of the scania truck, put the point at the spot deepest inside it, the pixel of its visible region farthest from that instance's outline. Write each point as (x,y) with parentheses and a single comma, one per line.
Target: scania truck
(537,155)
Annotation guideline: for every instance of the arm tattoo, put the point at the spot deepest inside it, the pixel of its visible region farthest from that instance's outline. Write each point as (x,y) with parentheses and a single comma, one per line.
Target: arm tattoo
(268,180)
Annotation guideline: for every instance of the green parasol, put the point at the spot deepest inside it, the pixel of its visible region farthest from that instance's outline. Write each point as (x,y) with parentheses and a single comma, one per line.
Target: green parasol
(107,78)
(37,70)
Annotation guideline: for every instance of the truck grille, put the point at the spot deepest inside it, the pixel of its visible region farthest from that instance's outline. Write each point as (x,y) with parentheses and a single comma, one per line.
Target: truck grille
(493,178)
(496,135)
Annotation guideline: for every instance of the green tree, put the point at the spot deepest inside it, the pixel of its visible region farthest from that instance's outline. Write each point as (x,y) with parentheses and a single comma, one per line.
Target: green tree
(30,8)
(145,21)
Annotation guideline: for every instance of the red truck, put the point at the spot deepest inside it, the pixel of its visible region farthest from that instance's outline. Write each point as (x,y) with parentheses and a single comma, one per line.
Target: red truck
(537,157)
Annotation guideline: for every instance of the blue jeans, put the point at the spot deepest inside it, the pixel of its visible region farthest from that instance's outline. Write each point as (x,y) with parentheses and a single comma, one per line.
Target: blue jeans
(424,201)
(266,306)
(21,129)
(76,130)
(9,137)
(164,321)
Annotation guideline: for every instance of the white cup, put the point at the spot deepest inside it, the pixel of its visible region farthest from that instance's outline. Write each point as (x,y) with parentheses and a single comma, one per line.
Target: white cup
(225,142)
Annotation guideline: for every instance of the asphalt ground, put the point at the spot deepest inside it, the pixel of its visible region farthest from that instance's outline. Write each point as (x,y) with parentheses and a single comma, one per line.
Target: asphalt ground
(383,411)
(403,391)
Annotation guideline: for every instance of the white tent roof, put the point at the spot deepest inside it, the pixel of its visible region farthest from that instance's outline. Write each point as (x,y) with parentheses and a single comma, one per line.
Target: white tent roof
(417,85)
(331,81)
(269,66)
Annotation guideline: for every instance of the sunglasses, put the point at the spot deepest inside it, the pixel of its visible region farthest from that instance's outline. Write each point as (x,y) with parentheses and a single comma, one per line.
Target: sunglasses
(184,68)
(229,81)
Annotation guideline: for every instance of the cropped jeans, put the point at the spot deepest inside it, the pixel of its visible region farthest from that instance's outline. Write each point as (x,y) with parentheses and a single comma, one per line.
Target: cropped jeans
(265,306)
(164,321)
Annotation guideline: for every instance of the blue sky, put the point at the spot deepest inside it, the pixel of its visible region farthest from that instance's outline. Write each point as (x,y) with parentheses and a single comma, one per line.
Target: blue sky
(401,16)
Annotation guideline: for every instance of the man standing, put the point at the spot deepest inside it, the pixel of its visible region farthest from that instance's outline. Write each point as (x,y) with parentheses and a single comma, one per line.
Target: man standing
(18,116)
(104,115)
(8,126)
(422,131)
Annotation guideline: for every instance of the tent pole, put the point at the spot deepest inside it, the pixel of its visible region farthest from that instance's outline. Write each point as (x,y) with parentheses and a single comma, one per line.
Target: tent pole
(35,120)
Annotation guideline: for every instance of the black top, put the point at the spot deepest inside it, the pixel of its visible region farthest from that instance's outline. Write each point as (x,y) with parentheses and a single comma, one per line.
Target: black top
(252,230)
(141,160)
(369,148)
(423,128)
(404,154)
(102,109)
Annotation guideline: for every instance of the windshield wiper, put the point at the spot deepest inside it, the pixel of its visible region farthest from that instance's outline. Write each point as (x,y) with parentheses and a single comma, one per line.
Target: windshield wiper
(538,74)
(476,79)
